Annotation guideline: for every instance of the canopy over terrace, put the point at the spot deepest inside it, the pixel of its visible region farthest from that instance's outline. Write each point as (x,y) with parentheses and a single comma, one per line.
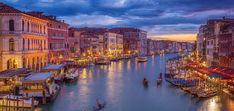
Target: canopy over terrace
(38,77)
(11,78)
(223,70)
(57,69)
(53,67)
(14,72)
(212,72)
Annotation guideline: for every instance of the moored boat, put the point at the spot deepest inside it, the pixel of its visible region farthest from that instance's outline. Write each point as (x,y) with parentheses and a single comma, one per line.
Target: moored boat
(102,61)
(207,94)
(71,76)
(18,101)
(141,59)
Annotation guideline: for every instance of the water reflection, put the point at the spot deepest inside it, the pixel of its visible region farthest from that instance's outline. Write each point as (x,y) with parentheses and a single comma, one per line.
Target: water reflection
(212,104)
(120,85)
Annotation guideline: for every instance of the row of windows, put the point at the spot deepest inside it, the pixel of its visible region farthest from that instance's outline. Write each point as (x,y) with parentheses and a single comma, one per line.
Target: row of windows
(34,27)
(28,44)
(34,44)
(57,45)
(210,42)
(30,27)
(58,35)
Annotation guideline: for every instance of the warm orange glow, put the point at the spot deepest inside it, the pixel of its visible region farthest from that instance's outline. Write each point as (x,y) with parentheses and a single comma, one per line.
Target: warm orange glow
(177,37)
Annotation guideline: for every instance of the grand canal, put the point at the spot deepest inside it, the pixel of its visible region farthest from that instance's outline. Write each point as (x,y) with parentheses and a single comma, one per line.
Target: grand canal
(120,86)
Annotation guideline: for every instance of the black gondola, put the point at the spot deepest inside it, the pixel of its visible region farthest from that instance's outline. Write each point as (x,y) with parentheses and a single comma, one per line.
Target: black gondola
(145,82)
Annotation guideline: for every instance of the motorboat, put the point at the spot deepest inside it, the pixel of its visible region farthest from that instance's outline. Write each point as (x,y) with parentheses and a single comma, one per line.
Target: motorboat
(71,77)
(141,59)
(102,61)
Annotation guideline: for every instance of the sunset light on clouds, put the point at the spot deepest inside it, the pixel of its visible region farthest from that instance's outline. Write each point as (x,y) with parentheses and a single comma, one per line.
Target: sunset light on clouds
(162,19)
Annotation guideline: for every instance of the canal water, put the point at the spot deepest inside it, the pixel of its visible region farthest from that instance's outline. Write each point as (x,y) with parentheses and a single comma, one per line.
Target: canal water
(120,86)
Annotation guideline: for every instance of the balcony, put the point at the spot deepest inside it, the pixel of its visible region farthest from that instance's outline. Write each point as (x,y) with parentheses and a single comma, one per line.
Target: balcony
(26,51)
(21,32)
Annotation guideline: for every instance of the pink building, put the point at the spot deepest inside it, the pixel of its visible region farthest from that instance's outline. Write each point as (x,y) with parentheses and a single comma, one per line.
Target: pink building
(73,42)
(57,36)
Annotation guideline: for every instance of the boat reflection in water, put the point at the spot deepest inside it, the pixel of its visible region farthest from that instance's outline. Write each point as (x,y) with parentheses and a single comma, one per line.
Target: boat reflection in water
(120,86)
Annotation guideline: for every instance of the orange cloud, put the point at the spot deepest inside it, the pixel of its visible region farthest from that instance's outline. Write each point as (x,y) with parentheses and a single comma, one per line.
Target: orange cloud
(177,37)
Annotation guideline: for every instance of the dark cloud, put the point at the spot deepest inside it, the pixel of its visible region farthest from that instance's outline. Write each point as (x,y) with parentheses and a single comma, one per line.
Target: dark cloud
(157,16)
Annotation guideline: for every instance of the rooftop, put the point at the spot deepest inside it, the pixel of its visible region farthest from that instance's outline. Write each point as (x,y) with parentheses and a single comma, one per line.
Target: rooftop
(8,9)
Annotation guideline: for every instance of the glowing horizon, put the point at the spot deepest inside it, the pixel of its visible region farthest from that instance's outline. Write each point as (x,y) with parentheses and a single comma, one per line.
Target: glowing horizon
(176,37)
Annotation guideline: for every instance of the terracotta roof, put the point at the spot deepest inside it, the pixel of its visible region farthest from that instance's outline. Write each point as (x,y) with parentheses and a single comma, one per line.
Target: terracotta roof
(41,15)
(8,9)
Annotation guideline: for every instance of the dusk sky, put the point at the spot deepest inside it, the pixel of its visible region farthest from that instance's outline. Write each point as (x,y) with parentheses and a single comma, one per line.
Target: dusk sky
(163,19)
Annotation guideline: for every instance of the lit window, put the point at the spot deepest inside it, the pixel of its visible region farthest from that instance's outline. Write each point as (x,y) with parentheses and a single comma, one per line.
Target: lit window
(11,44)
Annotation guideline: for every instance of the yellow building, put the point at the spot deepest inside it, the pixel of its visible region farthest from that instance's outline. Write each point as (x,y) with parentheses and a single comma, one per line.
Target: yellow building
(23,40)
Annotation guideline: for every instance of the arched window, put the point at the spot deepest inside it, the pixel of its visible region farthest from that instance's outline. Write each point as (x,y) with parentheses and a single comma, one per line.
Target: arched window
(23,43)
(28,26)
(40,29)
(44,30)
(22,25)
(24,63)
(11,63)
(11,25)
(11,44)
(29,47)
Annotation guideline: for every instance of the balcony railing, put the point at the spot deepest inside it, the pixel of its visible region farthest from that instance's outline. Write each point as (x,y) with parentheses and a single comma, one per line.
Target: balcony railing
(25,51)
(21,32)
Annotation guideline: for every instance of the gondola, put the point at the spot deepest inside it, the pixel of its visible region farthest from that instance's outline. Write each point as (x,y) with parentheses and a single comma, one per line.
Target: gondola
(159,79)
(145,82)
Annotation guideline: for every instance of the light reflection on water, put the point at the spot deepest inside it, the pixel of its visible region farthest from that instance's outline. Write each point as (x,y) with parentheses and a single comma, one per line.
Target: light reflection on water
(120,86)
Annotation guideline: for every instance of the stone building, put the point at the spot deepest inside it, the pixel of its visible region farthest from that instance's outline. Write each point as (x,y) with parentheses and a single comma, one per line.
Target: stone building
(23,40)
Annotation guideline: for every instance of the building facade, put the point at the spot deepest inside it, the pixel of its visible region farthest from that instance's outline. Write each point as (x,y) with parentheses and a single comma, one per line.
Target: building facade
(23,40)
(134,40)
(119,44)
(110,42)
(73,42)
(89,44)
(57,34)
(225,43)
(212,47)
(201,42)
